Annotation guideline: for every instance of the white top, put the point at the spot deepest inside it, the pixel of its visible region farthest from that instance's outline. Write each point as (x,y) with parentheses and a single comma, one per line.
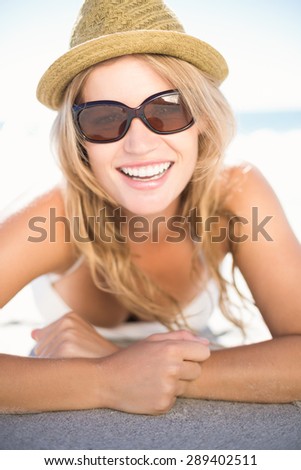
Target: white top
(197,313)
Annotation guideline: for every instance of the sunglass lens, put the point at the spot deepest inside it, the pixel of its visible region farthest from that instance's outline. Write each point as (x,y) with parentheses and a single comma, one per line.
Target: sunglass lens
(167,113)
(102,122)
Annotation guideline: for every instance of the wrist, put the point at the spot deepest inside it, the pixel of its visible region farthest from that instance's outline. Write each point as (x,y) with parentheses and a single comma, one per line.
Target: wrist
(104,390)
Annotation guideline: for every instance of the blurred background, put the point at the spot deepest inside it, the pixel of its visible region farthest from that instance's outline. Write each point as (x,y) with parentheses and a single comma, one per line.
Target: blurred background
(261,41)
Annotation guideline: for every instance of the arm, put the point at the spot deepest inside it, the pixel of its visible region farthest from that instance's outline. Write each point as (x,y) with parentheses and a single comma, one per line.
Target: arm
(34,385)
(28,384)
(144,378)
(22,260)
(269,371)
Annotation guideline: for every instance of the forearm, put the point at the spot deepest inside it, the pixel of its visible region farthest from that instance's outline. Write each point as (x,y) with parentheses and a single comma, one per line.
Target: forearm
(267,372)
(32,385)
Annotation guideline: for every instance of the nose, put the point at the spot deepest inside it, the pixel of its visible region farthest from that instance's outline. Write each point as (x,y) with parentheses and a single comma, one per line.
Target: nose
(139,140)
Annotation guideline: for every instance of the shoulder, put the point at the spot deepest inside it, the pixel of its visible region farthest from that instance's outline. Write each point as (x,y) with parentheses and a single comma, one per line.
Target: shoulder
(264,246)
(235,189)
(32,243)
(242,186)
(255,217)
(247,194)
(38,212)
(34,204)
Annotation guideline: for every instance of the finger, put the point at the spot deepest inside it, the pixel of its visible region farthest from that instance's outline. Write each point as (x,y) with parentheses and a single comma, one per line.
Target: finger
(59,347)
(76,343)
(35,334)
(51,351)
(42,342)
(177,335)
(193,350)
(69,319)
(45,348)
(45,339)
(41,349)
(70,325)
(66,338)
(172,335)
(39,333)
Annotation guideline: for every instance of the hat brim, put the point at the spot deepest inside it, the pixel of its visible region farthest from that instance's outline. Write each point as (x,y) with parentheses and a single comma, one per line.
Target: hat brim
(54,82)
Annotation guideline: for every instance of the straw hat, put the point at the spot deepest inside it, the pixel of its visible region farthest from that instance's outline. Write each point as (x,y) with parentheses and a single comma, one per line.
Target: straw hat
(113,28)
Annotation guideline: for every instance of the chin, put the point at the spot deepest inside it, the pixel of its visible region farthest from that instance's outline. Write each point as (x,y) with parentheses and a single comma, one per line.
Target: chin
(144,210)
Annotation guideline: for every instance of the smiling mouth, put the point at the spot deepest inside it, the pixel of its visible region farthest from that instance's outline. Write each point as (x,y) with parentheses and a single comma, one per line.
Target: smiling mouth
(146,173)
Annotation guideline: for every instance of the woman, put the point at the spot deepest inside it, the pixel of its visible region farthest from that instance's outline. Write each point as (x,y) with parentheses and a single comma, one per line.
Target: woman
(137,234)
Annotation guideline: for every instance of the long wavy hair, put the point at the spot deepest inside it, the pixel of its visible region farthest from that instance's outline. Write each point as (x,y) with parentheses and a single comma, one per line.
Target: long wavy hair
(111,265)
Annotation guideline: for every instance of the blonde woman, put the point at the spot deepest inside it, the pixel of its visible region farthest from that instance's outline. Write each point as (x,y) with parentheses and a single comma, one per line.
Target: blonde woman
(131,245)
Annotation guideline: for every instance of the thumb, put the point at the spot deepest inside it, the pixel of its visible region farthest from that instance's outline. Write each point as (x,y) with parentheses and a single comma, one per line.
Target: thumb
(35,334)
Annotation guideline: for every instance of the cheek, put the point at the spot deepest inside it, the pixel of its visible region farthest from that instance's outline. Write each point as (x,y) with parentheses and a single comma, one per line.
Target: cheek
(190,148)
(190,156)
(99,157)
(93,152)
(97,162)
(184,143)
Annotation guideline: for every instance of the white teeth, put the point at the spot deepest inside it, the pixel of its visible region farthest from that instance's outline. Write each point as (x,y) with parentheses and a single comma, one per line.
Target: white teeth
(146,171)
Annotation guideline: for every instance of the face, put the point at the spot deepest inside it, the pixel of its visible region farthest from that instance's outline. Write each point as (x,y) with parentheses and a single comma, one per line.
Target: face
(144,172)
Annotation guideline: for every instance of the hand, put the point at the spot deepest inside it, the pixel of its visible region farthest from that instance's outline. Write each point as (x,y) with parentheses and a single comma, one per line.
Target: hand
(147,376)
(189,387)
(71,336)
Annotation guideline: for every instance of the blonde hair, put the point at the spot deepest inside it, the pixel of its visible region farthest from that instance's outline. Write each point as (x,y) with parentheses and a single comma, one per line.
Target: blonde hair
(111,266)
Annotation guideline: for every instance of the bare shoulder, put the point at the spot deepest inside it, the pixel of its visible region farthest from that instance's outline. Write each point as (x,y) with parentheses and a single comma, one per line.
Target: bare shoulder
(243,185)
(265,249)
(38,209)
(246,193)
(235,187)
(33,243)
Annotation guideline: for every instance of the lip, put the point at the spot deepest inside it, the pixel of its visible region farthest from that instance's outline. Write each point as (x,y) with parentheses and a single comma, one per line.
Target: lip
(146,185)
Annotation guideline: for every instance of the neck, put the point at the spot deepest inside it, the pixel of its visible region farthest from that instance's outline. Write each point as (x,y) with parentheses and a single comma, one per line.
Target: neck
(149,228)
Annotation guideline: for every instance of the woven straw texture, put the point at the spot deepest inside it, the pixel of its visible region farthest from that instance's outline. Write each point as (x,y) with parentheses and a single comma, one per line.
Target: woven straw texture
(112,28)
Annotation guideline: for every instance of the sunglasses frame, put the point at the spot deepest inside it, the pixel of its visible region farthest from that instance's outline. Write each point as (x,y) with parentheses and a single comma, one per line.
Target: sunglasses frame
(131,114)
